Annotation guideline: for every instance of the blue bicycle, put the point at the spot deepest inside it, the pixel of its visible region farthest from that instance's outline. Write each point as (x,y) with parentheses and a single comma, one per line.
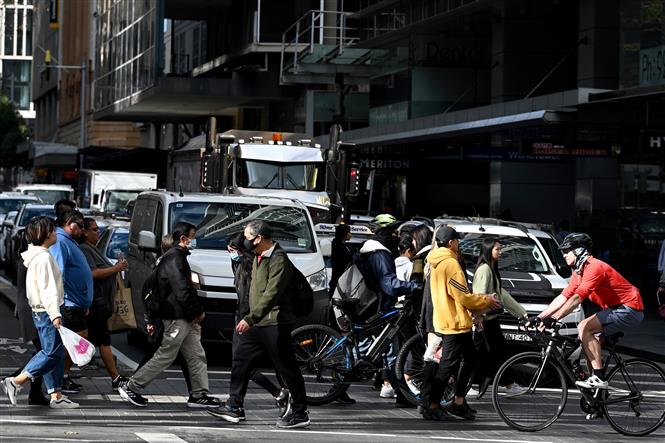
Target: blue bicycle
(330,361)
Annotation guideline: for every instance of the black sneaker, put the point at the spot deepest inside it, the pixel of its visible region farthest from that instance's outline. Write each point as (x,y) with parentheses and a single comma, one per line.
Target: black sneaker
(283,402)
(437,414)
(204,401)
(69,386)
(344,399)
(462,411)
(116,382)
(294,420)
(132,397)
(226,412)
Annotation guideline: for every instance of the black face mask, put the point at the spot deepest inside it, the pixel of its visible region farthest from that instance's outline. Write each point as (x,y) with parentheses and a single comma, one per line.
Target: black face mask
(249,244)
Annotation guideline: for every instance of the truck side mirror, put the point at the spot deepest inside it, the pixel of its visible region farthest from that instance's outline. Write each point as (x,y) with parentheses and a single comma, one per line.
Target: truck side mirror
(147,241)
(95,199)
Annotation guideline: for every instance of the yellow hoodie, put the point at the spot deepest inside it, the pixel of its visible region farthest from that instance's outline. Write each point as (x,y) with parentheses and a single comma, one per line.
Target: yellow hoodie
(451,298)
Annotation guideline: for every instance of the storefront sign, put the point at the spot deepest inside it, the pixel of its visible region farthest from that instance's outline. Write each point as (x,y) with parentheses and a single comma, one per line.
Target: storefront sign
(653,140)
(373,163)
(577,150)
(652,66)
(502,154)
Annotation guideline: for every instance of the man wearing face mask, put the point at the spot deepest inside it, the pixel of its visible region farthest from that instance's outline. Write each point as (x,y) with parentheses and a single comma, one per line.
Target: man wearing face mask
(181,314)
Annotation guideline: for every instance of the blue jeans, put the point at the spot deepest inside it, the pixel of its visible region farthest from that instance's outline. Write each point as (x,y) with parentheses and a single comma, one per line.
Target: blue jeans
(48,363)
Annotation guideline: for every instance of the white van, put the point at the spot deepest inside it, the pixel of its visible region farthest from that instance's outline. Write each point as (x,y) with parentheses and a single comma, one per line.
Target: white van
(49,194)
(216,218)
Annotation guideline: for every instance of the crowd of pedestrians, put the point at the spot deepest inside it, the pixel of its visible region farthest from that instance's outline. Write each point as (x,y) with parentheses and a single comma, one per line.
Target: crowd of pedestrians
(65,280)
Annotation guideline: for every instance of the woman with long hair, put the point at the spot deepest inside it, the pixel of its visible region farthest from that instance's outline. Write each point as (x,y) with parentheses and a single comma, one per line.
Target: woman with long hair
(489,339)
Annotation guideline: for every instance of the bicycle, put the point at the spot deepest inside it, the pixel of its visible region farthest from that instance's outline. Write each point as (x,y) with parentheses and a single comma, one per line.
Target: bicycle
(633,404)
(336,360)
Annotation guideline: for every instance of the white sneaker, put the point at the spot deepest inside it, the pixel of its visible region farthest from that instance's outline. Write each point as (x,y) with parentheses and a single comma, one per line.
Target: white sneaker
(63,403)
(514,390)
(387,391)
(413,388)
(593,382)
(11,389)
(473,392)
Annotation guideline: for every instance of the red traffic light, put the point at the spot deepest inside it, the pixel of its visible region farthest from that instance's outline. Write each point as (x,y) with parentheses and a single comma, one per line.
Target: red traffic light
(354,172)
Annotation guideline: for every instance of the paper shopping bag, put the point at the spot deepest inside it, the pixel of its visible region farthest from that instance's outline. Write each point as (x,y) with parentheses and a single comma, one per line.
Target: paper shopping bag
(79,349)
(122,317)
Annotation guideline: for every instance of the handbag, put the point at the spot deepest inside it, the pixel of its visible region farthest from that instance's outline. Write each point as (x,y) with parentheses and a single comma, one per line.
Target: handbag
(79,349)
(122,316)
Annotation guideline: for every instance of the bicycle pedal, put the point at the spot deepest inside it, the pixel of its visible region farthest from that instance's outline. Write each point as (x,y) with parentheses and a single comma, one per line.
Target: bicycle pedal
(594,416)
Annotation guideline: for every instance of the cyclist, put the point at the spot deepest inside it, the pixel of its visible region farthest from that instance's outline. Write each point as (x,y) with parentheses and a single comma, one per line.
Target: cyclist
(621,302)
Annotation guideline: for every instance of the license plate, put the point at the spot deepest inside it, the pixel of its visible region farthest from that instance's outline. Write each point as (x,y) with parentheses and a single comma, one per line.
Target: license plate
(516,336)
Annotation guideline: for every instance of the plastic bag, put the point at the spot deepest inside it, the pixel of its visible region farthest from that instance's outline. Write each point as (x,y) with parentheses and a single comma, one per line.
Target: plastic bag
(80,350)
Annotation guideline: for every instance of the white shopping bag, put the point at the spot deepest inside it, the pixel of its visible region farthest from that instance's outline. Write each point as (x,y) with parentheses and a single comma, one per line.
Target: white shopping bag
(80,350)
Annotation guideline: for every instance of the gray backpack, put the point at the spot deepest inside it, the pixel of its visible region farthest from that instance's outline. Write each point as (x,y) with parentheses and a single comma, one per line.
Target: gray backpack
(354,297)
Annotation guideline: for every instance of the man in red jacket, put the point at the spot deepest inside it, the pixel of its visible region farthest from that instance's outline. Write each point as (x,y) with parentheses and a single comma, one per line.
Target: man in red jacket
(621,302)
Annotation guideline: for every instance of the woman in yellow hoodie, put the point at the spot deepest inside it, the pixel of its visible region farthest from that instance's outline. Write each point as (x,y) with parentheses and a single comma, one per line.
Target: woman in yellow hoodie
(452,304)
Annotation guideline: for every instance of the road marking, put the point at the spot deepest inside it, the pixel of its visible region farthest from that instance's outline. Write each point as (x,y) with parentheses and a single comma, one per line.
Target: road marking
(34,422)
(159,437)
(23,437)
(488,439)
(122,358)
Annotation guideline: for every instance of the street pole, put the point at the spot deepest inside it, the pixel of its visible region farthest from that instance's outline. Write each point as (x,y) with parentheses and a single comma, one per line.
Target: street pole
(84,74)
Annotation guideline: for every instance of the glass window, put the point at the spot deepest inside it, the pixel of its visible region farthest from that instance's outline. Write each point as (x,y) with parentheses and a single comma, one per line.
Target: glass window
(19,31)
(48,196)
(256,174)
(9,31)
(215,222)
(553,251)
(28,33)
(13,204)
(519,254)
(29,213)
(117,244)
(16,81)
(303,177)
(117,200)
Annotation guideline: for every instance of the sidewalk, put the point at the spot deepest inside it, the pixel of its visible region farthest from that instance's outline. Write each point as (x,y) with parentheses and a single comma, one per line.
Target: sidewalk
(648,341)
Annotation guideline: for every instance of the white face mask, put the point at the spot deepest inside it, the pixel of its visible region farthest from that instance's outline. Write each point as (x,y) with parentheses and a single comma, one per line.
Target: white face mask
(234,256)
(192,244)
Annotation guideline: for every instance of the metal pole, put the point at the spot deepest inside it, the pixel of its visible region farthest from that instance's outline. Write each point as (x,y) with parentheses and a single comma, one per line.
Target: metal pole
(84,72)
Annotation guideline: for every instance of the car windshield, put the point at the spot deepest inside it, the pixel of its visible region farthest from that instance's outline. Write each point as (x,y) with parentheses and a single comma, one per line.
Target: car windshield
(117,200)
(519,254)
(553,251)
(28,213)
(117,244)
(215,222)
(49,196)
(294,176)
(13,204)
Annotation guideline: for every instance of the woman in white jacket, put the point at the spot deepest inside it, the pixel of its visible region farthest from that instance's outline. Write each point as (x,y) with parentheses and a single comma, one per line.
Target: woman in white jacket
(45,294)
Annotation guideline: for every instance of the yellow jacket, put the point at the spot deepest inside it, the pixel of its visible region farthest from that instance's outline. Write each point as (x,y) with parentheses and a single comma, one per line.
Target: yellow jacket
(451,298)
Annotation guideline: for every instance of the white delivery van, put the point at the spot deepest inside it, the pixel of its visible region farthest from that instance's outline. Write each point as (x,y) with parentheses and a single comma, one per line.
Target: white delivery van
(110,191)
(48,194)
(216,218)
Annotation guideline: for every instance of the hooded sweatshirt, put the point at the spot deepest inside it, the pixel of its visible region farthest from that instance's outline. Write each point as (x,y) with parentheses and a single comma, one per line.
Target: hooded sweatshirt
(382,269)
(43,281)
(451,298)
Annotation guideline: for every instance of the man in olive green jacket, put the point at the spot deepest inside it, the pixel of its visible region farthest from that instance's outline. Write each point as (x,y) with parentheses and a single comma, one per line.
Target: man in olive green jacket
(266,330)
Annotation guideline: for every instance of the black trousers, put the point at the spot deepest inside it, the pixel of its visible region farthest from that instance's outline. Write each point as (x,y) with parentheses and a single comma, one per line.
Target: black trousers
(458,360)
(491,347)
(256,376)
(275,341)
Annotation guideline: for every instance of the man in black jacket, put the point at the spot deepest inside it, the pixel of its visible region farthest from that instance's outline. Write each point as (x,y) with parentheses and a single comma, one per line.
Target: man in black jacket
(182,315)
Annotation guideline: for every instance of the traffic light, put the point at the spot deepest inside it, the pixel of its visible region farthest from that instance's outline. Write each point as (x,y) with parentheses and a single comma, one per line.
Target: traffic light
(47,62)
(353,188)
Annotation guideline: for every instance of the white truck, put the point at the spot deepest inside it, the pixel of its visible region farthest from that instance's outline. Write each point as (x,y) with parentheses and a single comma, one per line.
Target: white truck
(111,191)
(48,194)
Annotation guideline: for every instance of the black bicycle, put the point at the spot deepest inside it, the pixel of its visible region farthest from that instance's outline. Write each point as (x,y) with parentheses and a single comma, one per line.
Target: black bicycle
(330,361)
(633,404)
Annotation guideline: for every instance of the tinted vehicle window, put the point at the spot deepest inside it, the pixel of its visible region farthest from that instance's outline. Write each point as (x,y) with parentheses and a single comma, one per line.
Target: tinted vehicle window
(49,197)
(118,200)
(143,218)
(552,250)
(117,244)
(28,213)
(13,204)
(520,254)
(215,222)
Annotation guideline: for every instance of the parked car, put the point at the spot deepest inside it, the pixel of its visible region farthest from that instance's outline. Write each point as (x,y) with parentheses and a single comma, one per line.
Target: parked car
(217,217)
(114,240)
(27,212)
(528,272)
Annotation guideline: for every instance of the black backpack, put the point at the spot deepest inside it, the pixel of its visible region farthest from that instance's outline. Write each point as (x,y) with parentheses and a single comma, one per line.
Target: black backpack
(302,298)
(356,295)
(152,299)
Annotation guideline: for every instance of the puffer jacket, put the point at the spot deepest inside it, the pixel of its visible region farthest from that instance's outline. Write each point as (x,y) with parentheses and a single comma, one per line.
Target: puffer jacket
(451,299)
(180,298)
(382,270)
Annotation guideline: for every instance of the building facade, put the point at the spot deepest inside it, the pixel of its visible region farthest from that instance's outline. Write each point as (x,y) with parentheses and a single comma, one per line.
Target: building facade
(16,18)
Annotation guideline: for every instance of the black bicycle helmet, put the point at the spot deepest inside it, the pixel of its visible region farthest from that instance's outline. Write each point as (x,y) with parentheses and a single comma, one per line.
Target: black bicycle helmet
(576,240)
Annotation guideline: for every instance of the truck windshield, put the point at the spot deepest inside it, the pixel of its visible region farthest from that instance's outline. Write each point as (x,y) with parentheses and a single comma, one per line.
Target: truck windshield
(519,254)
(215,222)
(117,200)
(294,176)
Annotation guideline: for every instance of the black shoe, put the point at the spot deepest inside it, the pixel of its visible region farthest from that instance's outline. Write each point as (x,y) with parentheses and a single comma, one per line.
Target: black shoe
(38,400)
(405,404)
(473,411)
(226,412)
(204,401)
(462,411)
(283,402)
(344,399)
(482,387)
(69,386)
(437,414)
(294,421)
(116,382)
(132,397)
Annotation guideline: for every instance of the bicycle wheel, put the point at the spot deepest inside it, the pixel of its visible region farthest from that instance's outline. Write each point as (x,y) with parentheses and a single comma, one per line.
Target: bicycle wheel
(544,397)
(409,370)
(325,363)
(641,385)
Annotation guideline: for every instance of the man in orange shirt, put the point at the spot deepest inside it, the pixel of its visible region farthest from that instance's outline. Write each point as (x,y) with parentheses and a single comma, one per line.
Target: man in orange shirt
(620,301)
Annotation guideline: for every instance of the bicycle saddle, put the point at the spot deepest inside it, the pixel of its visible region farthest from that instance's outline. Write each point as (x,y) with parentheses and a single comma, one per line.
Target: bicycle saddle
(614,338)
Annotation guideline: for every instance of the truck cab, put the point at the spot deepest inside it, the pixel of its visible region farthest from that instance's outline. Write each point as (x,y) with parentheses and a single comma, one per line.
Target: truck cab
(216,218)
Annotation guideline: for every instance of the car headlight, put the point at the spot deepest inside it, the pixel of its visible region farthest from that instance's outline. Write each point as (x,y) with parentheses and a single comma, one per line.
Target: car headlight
(196,280)
(318,280)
